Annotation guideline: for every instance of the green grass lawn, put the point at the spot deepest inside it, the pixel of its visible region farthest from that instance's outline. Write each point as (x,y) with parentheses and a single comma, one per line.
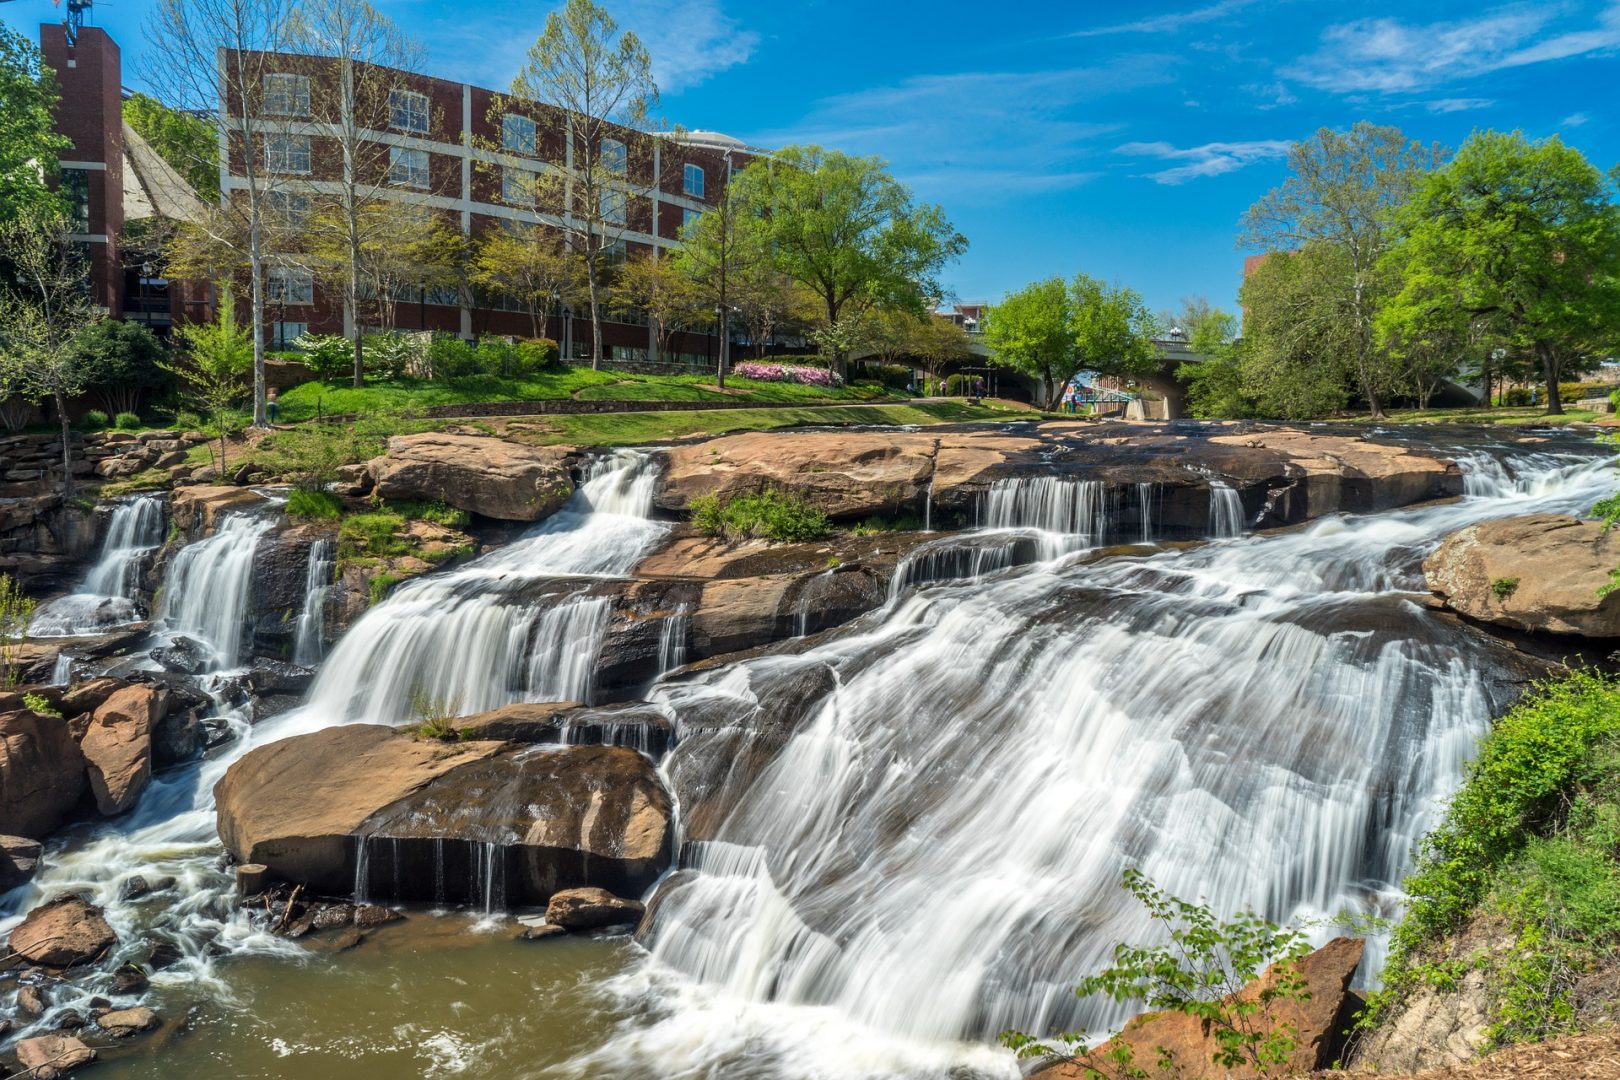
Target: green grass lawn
(1532,415)
(635,429)
(397,395)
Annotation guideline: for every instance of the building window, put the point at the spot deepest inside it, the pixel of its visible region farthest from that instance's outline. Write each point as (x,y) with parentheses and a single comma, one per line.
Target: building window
(286,153)
(286,95)
(692,181)
(614,156)
(283,334)
(517,134)
(407,167)
(292,209)
(614,253)
(517,186)
(688,217)
(408,110)
(615,206)
(289,285)
(76,190)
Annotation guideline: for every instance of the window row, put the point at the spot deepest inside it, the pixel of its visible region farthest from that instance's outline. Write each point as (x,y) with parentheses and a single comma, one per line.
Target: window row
(287,94)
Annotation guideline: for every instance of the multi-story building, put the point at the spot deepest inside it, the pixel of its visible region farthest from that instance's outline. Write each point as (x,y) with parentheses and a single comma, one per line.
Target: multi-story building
(469,156)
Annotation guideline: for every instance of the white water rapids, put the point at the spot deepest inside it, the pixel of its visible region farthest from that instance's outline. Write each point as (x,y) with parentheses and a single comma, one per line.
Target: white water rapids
(107,597)
(934,854)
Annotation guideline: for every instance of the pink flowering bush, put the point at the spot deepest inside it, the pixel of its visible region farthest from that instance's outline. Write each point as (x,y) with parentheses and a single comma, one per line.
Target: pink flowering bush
(809,376)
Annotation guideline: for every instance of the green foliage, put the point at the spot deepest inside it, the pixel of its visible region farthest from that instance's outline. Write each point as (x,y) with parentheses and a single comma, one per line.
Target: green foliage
(1051,330)
(377,588)
(451,358)
(1504,587)
(16,610)
(214,363)
(127,421)
(329,356)
(371,534)
(433,716)
(876,525)
(94,420)
(322,505)
(188,143)
(29,142)
(770,514)
(38,703)
(1198,974)
(1529,847)
(438,512)
(122,360)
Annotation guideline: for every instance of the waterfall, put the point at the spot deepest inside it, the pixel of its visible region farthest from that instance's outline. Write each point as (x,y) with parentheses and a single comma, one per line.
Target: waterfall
(209,587)
(310,642)
(1145,499)
(519,624)
(935,853)
(1069,514)
(673,638)
(960,558)
(106,597)
(1225,510)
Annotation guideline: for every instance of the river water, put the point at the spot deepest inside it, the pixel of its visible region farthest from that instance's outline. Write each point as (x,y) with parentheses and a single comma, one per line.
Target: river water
(934,854)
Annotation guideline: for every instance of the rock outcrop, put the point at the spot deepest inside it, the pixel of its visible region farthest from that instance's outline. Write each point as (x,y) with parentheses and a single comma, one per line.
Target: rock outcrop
(1318,1023)
(487,476)
(61,933)
(447,821)
(197,509)
(42,772)
(1540,573)
(19,860)
(117,746)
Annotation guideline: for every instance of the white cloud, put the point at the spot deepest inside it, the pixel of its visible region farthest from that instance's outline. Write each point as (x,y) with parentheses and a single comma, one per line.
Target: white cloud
(1172,22)
(1575,120)
(1451,105)
(1388,55)
(1210,159)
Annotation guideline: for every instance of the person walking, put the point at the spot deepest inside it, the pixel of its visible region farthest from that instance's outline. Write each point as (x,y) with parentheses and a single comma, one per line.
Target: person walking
(271,407)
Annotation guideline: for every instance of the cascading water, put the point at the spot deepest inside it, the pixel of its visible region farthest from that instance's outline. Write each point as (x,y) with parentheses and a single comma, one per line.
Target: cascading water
(1268,726)
(1225,511)
(209,586)
(309,642)
(107,597)
(1146,499)
(476,638)
(673,639)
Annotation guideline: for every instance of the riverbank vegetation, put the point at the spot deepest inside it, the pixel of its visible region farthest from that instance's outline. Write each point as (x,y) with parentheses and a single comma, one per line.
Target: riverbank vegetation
(1521,881)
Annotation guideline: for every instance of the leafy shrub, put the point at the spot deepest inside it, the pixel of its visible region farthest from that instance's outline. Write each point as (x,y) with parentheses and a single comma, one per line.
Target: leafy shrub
(438,512)
(304,503)
(122,360)
(874,525)
(535,355)
(771,514)
(94,420)
(127,421)
(451,358)
(1515,396)
(894,376)
(395,355)
(16,611)
(788,373)
(371,534)
(37,703)
(1504,587)
(329,356)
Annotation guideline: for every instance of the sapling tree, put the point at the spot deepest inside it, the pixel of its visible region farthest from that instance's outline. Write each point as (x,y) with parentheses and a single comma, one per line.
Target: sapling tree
(214,361)
(16,611)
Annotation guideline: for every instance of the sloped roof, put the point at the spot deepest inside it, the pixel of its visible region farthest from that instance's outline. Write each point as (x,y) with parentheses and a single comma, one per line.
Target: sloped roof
(152,187)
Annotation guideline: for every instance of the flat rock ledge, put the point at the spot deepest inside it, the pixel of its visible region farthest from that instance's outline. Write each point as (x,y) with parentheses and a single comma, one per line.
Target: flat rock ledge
(1541,573)
(482,475)
(372,809)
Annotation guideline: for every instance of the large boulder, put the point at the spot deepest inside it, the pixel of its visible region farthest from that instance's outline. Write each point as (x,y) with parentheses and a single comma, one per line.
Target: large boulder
(487,476)
(1318,1023)
(197,509)
(470,820)
(591,909)
(1542,573)
(46,1057)
(62,932)
(19,860)
(42,772)
(118,746)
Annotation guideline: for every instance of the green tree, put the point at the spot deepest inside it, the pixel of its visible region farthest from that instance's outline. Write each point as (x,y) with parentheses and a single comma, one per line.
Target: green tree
(188,143)
(718,253)
(601,82)
(29,144)
(214,361)
(654,287)
(42,312)
(1296,335)
(845,228)
(127,360)
(1527,235)
(529,264)
(1113,329)
(1032,331)
(1342,197)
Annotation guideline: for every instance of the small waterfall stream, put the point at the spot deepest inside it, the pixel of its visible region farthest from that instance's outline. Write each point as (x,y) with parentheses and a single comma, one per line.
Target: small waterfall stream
(209,586)
(1225,510)
(107,597)
(309,642)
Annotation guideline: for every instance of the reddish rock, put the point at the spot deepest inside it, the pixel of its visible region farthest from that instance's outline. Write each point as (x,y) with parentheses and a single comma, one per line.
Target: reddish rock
(1541,572)
(41,772)
(19,858)
(1327,973)
(118,746)
(50,1056)
(591,909)
(482,475)
(61,933)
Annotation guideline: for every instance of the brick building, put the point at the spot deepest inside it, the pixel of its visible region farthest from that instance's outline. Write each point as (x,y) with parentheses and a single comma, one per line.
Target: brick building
(450,151)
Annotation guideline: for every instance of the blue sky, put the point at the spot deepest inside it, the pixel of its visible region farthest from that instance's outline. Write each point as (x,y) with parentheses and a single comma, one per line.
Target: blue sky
(1120,139)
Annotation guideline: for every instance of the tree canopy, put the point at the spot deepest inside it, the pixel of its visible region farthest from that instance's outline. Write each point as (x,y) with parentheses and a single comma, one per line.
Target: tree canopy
(29,144)
(1052,330)
(188,143)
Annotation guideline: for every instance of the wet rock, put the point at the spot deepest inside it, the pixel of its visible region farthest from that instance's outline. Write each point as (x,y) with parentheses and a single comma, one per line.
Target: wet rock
(122,1023)
(591,909)
(640,726)
(32,1001)
(332,916)
(367,916)
(42,772)
(118,746)
(69,1020)
(1541,573)
(130,979)
(182,656)
(177,738)
(139,885)
(541,933)
(61,933)
(279,677)
(47,1057)
(487,476)
(431,813)
(1317,1023)
(163,954)
(196,509)
(88,696)
(19,859)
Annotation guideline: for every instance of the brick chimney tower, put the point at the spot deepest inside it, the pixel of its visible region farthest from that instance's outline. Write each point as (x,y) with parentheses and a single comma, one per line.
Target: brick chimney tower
(89,75)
